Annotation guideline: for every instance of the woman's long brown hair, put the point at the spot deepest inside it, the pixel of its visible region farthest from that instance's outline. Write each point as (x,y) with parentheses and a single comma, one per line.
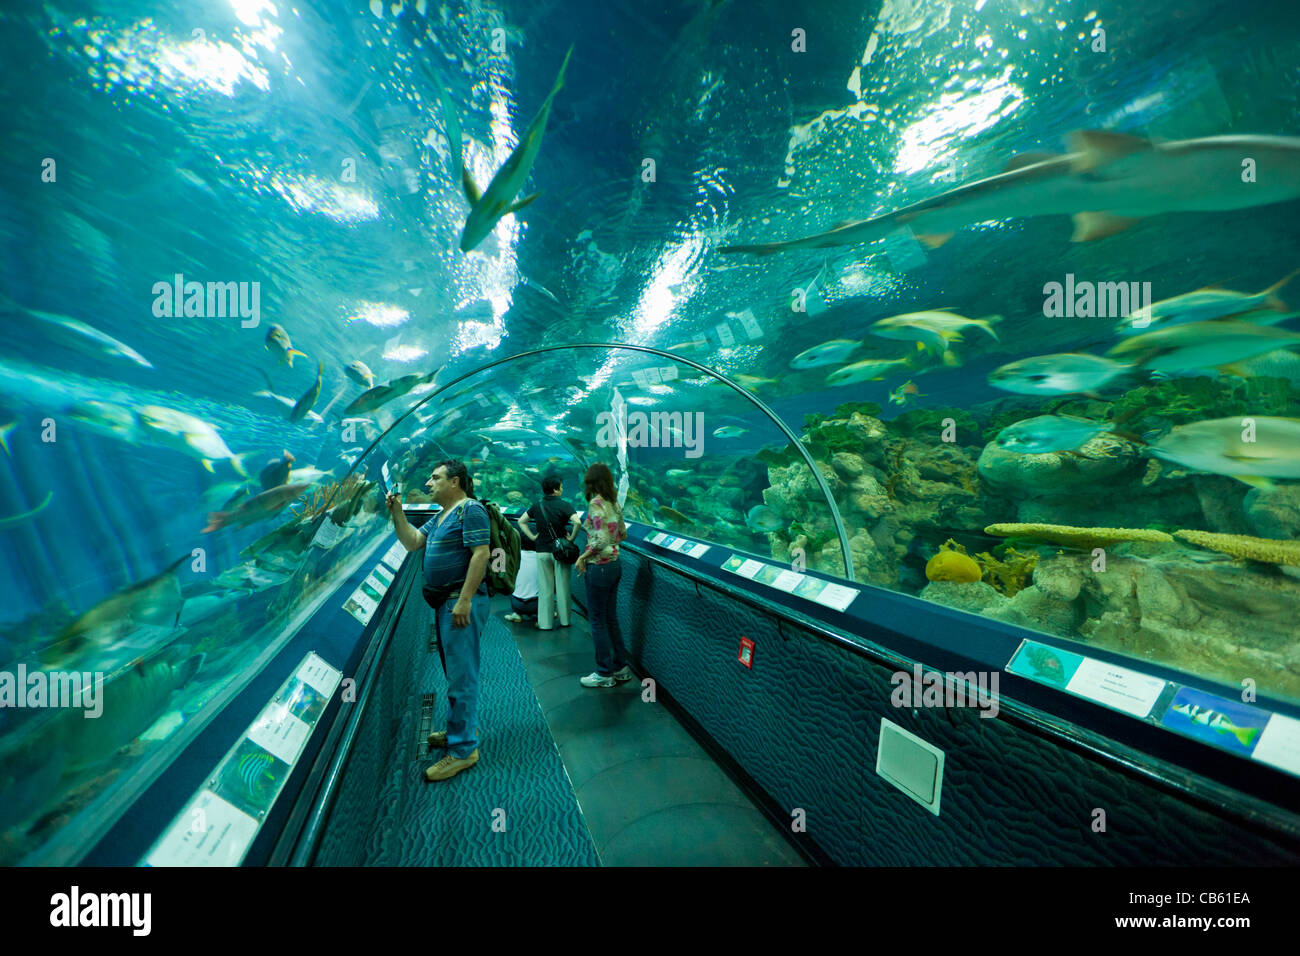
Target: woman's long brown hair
(599,480)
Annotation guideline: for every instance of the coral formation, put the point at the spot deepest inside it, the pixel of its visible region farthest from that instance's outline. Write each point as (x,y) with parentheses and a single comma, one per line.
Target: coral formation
(1244,546)
(1076,537)
(1011,574)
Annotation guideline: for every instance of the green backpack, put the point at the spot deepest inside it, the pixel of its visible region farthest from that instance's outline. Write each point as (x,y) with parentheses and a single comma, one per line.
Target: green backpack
(504,541)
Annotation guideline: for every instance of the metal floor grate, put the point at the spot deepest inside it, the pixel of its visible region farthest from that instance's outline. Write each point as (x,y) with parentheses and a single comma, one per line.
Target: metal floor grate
(421,744)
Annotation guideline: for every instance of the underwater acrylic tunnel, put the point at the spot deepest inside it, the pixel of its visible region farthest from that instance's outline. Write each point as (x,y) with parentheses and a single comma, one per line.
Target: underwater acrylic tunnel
(992,317)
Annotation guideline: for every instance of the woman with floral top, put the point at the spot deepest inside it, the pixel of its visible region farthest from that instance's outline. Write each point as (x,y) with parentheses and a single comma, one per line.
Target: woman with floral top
(605,529)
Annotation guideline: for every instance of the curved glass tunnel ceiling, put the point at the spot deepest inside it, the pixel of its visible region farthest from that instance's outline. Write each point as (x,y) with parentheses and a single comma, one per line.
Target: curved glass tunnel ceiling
(307,157)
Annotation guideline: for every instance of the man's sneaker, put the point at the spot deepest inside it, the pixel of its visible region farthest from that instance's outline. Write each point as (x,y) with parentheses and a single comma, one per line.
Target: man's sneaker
(449,766)
(513,618)
(624,673)
(439,738)
(595,679)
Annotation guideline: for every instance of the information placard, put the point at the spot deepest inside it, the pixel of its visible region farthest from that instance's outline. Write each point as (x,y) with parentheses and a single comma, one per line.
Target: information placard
(787,581)
(220,821)
(1279,745)
(836,595)
(1117,687)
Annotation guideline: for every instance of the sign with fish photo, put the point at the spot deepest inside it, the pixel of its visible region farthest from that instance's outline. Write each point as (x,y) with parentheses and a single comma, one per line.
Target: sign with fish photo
(1044,663)
(1230,725)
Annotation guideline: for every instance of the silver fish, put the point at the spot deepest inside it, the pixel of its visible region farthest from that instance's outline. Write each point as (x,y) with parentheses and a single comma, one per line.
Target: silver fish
(1058,374)
(1219,446)
(833,352)
(1207,304)
(1202,345)
(869,370)
(1049,433)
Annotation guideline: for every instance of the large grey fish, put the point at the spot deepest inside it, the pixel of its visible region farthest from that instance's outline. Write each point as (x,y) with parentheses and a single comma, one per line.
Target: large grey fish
(1221,446)
(1202,345)
(155,600)
(1058,374)
(257,508)
(1107,183)
(84,337)
(382,394)
(1204,305)
(499,198)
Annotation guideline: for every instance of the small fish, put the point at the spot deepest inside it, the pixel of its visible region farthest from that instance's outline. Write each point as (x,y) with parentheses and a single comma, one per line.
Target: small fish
(834,352)
(1049,433)
(287,403)
(277,341)
(1204,305)
(679,474)
(1203,345)
(4,436)
(359,373)
(674,514)
(754,382)
(1218,446)
(1217,721)
(12,520)
(935,330)
(304,404)
(82,336)
(729,431)
(258,508)
(763,519)
(1058,374)
(499,198)
(904,393)
(306,475)
(276,473)
(869,370)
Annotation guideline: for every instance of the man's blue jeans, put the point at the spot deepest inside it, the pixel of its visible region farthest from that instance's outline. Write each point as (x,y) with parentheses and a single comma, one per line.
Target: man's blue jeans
(458,648)
(602,614)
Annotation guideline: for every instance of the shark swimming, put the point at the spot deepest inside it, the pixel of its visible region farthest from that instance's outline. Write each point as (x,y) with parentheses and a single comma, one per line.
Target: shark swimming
(1107,182)
(498,199)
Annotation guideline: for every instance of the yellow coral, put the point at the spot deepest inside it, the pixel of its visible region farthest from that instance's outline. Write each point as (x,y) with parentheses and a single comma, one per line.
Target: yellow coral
(1076,537)
(952,564)
(1244,546)
(1011,576)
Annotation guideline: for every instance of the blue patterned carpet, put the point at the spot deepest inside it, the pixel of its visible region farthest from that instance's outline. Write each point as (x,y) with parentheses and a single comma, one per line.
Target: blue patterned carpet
(516,807)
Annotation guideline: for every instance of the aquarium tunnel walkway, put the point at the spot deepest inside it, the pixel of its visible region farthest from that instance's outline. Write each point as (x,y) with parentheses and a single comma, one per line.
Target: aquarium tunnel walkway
(762,729)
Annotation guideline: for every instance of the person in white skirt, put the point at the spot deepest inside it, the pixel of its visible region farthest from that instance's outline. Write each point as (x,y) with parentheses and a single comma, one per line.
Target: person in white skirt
(553,517)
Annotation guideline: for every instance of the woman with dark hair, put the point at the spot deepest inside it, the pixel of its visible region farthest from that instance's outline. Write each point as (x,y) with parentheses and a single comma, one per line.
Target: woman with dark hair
(553,517)
(605,529)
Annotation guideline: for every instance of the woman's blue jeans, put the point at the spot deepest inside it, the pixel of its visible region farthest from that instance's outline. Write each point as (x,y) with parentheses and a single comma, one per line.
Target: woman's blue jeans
(602,614)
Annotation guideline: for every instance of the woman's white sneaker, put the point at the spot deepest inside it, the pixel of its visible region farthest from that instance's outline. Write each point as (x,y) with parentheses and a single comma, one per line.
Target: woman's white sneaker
(595,679)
